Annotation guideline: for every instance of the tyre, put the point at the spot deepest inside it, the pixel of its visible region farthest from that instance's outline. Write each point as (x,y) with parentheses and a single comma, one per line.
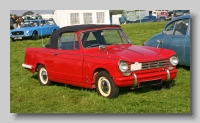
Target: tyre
(13,39)
(162,19)
(35,35)
(168,85)
(105,85)
(43,76)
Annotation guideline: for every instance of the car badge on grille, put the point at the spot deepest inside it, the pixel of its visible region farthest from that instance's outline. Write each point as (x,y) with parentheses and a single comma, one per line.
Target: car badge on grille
(17,33)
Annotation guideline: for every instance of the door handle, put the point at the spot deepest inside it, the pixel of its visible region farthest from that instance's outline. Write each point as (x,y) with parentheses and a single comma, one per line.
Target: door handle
(55,54)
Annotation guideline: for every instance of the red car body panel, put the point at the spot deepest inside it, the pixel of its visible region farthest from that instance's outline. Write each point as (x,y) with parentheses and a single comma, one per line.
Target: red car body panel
(78,67)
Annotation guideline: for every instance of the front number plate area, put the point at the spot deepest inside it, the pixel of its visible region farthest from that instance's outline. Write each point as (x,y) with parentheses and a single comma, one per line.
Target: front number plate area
(136,66)
(18,38)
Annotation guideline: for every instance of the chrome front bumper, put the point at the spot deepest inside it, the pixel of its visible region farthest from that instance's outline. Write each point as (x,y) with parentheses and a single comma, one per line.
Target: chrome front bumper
(135,80)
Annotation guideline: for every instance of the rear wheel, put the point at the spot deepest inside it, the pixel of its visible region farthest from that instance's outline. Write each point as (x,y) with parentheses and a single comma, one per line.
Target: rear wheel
(43,76)
(105,85)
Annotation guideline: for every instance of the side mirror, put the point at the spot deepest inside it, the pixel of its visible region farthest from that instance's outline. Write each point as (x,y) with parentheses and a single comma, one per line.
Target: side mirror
(102,47)
(159,42)
(164,31)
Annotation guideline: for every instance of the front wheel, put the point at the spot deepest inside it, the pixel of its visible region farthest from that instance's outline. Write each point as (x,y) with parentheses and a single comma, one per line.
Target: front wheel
(35,36)
(13,39)
(105,85)
(168,85)
(43,76)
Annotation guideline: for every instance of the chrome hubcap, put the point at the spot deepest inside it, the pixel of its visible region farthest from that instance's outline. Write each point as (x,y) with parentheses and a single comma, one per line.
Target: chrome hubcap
(104,86)
(43,76)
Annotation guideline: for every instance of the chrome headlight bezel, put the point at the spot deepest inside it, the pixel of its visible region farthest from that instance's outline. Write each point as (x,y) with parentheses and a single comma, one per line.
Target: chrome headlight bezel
(174,60)
(123,66)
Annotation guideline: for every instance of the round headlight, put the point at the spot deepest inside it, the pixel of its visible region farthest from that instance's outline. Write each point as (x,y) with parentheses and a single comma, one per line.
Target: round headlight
(123,66)
(27,31)
(174,60)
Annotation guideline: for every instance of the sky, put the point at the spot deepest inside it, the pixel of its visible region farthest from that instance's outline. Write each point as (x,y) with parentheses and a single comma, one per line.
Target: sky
(20,12)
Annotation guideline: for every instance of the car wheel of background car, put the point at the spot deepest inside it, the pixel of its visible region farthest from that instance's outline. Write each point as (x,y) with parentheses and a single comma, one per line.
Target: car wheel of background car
(162,19)
(13,39)
(35,35)
(105,85)
(43,76)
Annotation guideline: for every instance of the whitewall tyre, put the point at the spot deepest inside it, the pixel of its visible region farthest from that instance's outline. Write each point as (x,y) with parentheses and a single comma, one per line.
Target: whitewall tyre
(43,76)
(105,85)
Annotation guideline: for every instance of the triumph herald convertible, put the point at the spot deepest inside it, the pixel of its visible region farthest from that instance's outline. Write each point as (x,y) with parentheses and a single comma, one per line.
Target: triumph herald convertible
(100,57)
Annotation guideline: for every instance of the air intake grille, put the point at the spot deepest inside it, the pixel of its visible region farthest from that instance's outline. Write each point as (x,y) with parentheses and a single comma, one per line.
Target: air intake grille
(156,64)
(18,33)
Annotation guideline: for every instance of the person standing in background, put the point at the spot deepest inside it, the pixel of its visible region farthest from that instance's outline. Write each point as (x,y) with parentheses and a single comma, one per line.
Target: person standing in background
(11,23)
(21,20)
(14,22)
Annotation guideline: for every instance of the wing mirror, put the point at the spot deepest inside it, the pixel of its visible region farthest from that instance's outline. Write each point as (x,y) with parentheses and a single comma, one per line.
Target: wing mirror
(159,42)
(102,47)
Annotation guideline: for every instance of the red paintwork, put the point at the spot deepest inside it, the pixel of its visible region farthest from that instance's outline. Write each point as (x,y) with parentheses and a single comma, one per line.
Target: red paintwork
(77,67)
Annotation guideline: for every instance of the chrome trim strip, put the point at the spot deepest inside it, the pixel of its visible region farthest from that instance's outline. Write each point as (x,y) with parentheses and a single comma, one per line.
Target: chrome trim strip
(168,75)
(27,66)
(135,80)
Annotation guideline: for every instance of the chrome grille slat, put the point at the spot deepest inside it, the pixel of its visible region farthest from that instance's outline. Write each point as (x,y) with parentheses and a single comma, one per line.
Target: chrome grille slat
(156,64)
(18,33)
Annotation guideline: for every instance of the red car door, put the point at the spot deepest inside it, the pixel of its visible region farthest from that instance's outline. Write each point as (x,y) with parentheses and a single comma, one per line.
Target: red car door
(68,60)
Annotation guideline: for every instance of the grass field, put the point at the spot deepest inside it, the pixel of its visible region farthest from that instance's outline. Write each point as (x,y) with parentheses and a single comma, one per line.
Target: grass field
(27,96)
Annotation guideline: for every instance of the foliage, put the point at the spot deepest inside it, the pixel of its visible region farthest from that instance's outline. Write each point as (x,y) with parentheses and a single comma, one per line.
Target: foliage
(27,13)
(114,12)
(13,15)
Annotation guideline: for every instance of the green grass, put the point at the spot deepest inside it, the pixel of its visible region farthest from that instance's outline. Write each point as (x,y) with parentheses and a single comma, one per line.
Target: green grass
(28,96)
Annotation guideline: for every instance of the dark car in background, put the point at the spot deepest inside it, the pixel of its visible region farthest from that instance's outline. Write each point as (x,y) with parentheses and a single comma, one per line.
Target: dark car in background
(177,13)
(175,36)
(147,19)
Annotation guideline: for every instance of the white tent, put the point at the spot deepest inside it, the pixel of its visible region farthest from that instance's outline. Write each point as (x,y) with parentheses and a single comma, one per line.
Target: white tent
(76,17)
(115,18)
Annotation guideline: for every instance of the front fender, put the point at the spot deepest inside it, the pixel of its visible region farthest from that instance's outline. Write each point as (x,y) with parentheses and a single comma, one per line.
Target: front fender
(111,67)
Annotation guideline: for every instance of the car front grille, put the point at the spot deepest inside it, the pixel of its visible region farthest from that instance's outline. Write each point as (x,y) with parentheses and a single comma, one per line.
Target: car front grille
(18,33)
(156,64)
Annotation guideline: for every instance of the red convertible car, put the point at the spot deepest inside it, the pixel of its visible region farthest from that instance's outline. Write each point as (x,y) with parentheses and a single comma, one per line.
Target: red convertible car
(102,57)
